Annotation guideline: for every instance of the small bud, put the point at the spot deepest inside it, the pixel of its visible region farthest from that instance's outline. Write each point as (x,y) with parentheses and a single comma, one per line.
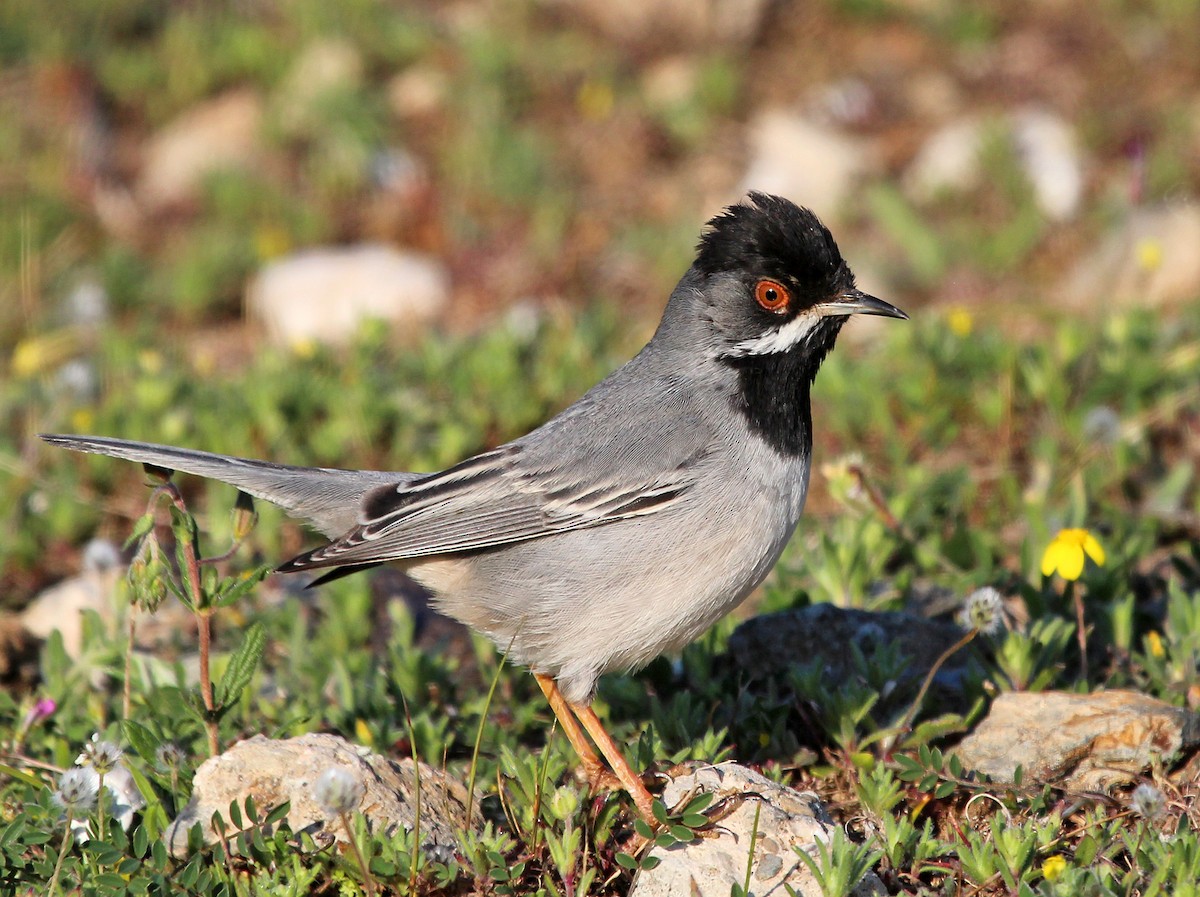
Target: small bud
(245,518)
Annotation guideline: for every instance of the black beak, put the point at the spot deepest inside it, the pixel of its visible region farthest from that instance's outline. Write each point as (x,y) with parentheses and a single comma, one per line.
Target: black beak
(856,302)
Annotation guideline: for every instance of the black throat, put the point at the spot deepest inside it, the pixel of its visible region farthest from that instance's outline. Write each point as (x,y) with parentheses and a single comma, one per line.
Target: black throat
(774,391)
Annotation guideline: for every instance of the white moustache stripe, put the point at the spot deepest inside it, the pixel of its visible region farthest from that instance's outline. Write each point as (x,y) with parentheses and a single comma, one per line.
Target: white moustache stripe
(786,337)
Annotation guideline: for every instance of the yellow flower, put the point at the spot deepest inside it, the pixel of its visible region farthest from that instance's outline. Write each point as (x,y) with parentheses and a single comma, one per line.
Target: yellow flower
(1149,254)
(961,322)
(1154,645)
(1065,554)
(1054,867)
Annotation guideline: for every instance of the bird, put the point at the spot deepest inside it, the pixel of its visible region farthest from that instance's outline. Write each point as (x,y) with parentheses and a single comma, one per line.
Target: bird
(633,520)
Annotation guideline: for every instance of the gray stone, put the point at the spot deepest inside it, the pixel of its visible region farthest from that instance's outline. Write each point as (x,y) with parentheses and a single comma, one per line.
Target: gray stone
(1080,742)
(814,164)
(767,646)
(775,819)
(273,771)
(1150,260)
(220,134)
(326,294)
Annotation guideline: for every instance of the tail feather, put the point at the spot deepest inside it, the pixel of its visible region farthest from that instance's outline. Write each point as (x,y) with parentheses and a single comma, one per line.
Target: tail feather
(327,498)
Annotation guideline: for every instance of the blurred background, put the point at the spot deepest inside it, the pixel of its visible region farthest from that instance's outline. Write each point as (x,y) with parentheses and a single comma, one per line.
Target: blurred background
(208,208)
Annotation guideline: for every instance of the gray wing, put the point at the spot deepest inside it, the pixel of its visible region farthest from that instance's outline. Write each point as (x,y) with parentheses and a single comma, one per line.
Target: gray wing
(617,453)
(327,498)
(492,499)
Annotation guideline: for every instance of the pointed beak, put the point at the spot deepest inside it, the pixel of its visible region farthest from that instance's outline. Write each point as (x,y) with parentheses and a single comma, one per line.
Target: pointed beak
(856,302)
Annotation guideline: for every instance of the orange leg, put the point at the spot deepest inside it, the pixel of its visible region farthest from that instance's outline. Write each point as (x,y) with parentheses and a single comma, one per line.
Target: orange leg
(629,779)
(597,774)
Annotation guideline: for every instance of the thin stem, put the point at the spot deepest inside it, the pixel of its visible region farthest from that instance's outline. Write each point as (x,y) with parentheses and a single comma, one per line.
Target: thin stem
(101,811)
(906,723)
(127,696)
(368,881)
(203,624)
(483,716)
(1080,631)
(62,852)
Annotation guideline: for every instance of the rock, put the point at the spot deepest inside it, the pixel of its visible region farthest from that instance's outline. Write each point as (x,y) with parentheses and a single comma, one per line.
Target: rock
(1051,160)
(275,771)
(1149,261)
(61,607)
(673,23)
(222,133)
(323,71)
(326,294)
(1078,742)
(949,160)
(814,164)
(767,646)
(708,867)
(417,91)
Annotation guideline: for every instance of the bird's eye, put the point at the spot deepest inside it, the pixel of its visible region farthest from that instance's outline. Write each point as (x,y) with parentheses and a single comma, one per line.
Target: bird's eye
(773,296)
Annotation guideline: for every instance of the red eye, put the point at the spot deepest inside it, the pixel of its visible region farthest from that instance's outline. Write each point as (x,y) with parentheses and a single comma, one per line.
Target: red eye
(773,296)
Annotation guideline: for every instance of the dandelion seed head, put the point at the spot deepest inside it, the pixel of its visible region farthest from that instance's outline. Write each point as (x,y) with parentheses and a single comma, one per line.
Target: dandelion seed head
(983,610)
(77,790)
(338,790)
(102,756)
(1147,801)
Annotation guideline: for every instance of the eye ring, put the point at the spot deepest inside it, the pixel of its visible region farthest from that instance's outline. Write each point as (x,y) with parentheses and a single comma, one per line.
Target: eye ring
(772,296)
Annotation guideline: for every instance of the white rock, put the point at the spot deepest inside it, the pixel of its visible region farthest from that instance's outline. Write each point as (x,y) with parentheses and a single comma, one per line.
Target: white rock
(1151,260)
(326,294)
(417,91)
(708,867)
(682,22)
(222,133)
(1050,157)
(62,606)
(948,160)
(815,165)
(275,771)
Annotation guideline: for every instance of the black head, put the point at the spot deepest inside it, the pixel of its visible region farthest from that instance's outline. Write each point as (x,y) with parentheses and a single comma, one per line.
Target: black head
(774,292)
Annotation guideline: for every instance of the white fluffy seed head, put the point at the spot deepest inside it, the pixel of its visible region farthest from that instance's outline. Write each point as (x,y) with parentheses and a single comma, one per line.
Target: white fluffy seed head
(983,610)
(1147,801)
(338,790)
(102,756)
(77,790)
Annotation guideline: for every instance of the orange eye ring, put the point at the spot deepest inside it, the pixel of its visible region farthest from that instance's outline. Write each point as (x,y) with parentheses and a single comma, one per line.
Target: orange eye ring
(772,296)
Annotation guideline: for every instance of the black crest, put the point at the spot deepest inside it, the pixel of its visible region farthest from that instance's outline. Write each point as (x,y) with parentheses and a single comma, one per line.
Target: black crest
(772,236)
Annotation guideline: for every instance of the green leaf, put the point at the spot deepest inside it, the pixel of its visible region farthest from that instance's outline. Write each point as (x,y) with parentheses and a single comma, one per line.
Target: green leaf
(650,862)
(144,524)
(642,827)
(141,739)
(21,776)
(625,861)
(698,803)
(241,665)
(659,809)
(682,833)
(278,813)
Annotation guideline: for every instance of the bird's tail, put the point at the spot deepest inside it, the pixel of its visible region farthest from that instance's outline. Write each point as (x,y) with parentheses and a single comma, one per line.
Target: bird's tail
(327,498)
